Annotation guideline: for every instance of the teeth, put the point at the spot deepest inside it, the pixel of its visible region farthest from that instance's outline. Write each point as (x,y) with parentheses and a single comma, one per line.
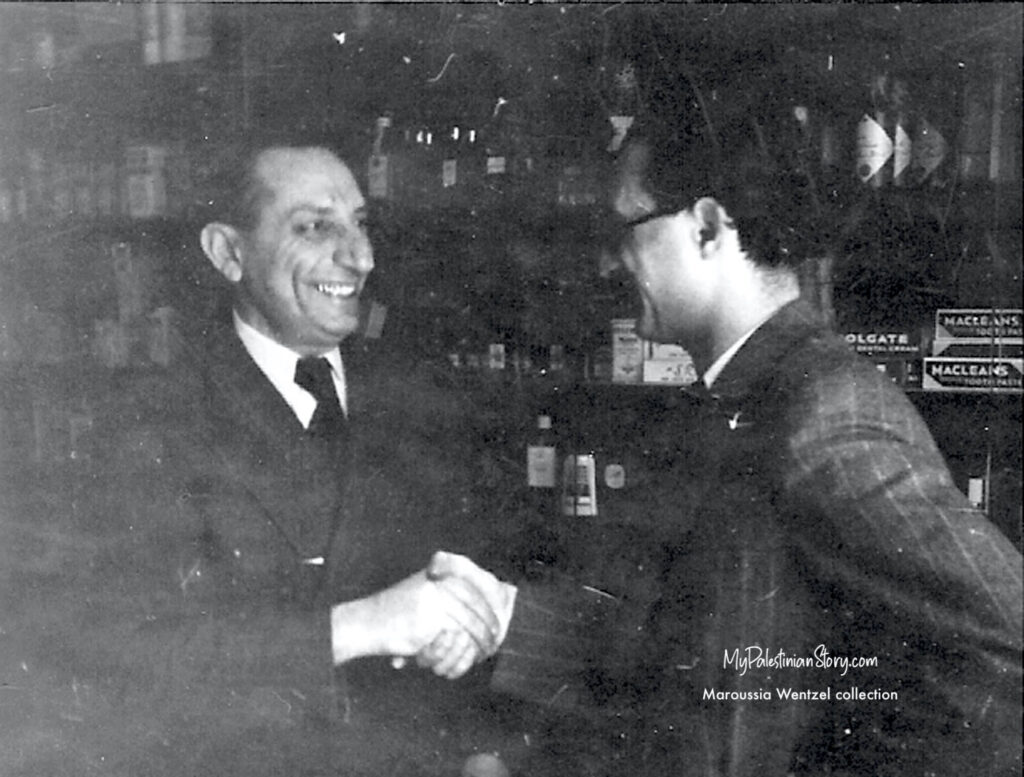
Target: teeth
(336,289)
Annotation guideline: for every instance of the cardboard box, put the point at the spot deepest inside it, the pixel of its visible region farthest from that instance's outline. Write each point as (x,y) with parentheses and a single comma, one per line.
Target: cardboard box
(902,372)
(668,363)
(146,195)
(496,356)
(676,372)
(163,340)
(175,32)
(145,158)
(666,351)
(994,375)
(111,344)
(627,351)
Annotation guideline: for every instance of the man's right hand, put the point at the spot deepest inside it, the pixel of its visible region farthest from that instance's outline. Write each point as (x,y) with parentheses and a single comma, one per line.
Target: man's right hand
(404,619)
(452,654)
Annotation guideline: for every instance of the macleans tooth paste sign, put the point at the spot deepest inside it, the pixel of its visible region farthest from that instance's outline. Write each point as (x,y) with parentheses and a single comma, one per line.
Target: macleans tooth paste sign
(959,330)
(1000,375)
(982,351)
(985,324)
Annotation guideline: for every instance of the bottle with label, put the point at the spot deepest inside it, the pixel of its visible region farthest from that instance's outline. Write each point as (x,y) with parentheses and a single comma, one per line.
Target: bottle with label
(902,143)
(380,173)
(542,460)
(538,548)
(932,156)
(874,137)
(579,485)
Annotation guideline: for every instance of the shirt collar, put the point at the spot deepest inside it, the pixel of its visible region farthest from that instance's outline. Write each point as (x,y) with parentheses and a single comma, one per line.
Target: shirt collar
(712,372)
(278,362)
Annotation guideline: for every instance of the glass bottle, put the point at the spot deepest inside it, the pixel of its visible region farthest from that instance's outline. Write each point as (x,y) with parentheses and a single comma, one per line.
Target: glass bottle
(542,459)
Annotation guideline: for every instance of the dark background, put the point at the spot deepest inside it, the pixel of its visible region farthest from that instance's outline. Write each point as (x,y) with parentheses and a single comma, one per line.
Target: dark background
(509,258)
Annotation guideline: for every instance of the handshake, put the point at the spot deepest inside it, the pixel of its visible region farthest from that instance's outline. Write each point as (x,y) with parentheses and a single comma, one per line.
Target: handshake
(448,616)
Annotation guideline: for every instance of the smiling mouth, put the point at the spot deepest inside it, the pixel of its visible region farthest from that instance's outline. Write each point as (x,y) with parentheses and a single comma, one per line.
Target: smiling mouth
(337,290)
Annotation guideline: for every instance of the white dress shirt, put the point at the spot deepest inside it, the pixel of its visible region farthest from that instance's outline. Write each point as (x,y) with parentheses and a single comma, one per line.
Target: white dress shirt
(278,363)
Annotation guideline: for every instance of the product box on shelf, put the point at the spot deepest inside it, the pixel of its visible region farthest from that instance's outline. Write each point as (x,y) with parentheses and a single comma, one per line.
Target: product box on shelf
(496,356)
(111,343)
(668,363)
(903,372)
(163,338)
(896,352)
(627,351)
(145,195)
(145,157)
(175,32)
(157,180)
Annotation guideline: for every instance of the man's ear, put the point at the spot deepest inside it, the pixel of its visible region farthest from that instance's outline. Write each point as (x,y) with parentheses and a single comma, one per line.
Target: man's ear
(220,244)
(711,223)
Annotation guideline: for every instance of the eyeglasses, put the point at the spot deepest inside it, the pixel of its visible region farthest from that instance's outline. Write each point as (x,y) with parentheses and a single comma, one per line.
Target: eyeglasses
(623,230)
(655,214)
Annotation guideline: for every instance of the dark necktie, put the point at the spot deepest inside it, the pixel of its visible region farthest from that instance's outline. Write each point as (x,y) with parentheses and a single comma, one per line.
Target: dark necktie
(313,373)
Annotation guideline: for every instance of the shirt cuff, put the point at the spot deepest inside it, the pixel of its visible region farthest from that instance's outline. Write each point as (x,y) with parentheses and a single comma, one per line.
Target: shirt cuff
(352,633)
(506,612)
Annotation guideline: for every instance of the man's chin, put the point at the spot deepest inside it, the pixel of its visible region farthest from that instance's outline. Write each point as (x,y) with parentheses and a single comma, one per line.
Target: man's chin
(325,336)
(339,332)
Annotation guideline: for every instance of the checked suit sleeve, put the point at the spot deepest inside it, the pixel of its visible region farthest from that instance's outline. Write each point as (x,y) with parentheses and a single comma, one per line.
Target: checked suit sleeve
(559,635)
(878,519)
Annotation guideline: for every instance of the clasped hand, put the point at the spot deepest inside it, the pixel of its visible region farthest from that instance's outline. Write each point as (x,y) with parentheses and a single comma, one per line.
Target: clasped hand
(450,616)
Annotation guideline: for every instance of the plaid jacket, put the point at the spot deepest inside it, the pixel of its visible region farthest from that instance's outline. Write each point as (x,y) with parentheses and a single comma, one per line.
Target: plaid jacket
(835,606)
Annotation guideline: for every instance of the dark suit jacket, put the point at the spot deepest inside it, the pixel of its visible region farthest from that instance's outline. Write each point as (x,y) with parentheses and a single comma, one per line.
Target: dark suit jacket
(826,521)
(186,627)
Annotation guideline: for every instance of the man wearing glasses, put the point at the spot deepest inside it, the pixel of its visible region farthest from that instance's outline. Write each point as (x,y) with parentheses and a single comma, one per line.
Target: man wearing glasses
(837,607)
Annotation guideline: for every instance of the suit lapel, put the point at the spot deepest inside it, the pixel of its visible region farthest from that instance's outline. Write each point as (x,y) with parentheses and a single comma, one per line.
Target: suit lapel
(756,363)
(262,446)
(241,389)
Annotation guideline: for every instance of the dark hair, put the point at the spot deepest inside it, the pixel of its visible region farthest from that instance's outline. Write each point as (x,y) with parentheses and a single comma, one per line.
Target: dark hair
(233,190)
(749,167)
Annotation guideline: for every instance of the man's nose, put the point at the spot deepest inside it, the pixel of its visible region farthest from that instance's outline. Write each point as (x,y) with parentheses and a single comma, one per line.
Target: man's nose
(609,262)
(354,255)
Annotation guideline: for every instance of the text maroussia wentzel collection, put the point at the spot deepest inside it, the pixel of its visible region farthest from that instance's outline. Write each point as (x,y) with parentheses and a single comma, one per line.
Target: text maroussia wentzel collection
(789,694)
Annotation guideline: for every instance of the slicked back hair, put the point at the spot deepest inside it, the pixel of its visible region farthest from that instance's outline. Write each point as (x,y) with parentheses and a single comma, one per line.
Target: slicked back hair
(235,192)
(750,167)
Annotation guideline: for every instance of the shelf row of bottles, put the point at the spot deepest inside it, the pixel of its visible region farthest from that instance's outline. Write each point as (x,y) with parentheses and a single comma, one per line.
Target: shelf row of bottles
(966,350)
(149,32)
(142,181)
(499,160)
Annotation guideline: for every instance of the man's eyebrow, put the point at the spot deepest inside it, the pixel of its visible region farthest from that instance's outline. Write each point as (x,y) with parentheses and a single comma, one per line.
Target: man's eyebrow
(321,210)
(308,207)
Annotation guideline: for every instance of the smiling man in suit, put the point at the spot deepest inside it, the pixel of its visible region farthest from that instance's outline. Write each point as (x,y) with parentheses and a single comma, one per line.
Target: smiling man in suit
(835,606)
(298,255)
(212,613)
